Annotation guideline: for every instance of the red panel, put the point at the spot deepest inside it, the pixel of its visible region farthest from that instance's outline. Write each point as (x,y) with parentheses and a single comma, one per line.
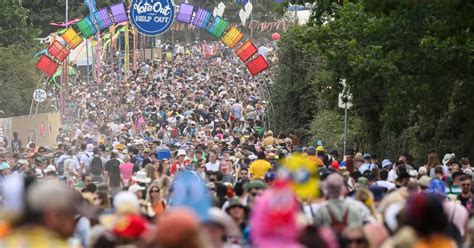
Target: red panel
(58,51)
(47,65)
(257,65)
(246,50)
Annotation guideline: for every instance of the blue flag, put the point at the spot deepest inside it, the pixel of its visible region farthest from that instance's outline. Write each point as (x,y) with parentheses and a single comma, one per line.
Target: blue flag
(91,5)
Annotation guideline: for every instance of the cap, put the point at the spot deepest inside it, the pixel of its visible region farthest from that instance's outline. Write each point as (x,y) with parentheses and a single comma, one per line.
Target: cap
(320,149)
(367,156)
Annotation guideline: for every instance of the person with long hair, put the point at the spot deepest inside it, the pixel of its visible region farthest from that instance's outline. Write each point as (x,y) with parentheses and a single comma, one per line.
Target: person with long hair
(154,200)
(433,161)
(150,170)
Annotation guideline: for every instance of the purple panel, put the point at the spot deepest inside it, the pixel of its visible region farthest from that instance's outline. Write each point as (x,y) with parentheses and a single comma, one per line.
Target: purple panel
(103,18)
(185,13)
(118,13)
(202,18)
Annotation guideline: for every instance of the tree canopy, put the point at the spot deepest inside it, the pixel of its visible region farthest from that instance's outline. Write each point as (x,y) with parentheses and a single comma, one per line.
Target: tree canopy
(408,65)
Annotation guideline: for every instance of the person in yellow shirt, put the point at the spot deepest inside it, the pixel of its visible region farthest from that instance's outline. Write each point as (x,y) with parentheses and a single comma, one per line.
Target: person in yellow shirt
(259,167)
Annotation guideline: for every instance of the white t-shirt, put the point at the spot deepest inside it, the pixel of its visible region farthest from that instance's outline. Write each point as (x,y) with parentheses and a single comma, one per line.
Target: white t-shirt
(385,184)
(213,167)
(392,176)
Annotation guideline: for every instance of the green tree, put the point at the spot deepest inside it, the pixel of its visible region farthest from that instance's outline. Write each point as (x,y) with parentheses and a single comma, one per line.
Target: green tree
(14,26)
(18,80)
(408,65)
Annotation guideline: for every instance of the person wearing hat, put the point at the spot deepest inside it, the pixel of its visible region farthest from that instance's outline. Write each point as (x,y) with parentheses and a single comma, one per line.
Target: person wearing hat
(367,164)
(4,170)
(424,182)
(180,162)
(146,157)
(238,212)
(321,153)
(137,190)
(448,161)
(50,171)
(254,189)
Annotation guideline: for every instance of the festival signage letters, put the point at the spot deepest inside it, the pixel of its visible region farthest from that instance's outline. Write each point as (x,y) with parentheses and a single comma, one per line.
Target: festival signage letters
(152,17)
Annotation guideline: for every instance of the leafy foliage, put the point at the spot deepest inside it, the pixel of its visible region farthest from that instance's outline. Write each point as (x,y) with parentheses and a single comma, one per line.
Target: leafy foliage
(408,66)
(18,80)
(14,27)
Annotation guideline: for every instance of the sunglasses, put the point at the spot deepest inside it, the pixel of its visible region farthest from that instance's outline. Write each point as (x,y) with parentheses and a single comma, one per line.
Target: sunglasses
(154,191)
(212,189)
(466,185)
(357,241)
(254,193)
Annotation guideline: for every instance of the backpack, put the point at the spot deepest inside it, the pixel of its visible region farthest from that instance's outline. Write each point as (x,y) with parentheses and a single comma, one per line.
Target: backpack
(174,133)
(96,167)
(336,225)
(60,167)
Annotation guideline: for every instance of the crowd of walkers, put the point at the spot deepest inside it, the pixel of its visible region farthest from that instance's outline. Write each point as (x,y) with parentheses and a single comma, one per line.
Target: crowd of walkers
(176,154)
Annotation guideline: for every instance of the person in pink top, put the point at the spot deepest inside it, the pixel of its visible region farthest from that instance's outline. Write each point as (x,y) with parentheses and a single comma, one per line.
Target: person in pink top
(126,169)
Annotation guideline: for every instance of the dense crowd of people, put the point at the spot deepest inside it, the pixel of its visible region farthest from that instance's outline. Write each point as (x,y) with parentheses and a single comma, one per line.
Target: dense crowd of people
(176,154)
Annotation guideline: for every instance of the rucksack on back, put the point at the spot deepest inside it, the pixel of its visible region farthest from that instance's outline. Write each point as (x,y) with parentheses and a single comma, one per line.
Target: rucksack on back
(336,225)
(60,167)
(96,167)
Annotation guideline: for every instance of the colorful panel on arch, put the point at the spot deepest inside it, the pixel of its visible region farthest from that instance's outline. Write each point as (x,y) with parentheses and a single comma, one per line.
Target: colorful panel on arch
(185,13)
(86,27)
(232,37)
(47,65)
(72,38)
(201,19)
(103,19)
(58,50)
(257,65)
(119,13)
(218,27)
(246,51)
